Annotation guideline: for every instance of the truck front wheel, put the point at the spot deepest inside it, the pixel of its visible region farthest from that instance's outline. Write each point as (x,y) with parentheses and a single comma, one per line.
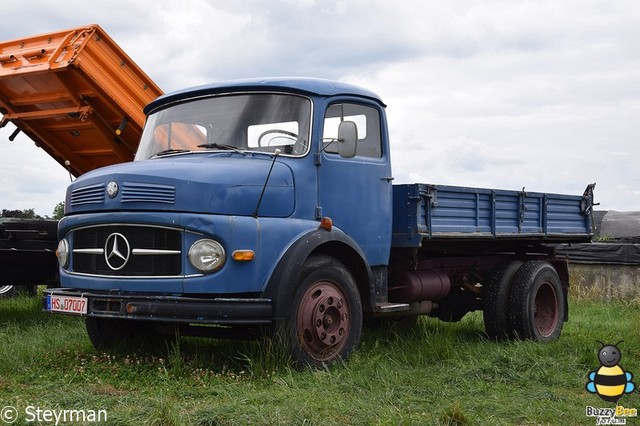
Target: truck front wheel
(325,321)
(537,305)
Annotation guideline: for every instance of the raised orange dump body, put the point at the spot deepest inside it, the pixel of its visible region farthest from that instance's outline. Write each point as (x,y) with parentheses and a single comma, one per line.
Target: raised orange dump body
(76,94)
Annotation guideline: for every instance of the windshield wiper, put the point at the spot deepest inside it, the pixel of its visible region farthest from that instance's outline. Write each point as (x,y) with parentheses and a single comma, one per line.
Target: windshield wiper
(223,147)
(169,151)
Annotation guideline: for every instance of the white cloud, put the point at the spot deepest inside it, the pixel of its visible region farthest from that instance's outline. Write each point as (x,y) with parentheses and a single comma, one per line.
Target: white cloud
(30,178)
(495,93)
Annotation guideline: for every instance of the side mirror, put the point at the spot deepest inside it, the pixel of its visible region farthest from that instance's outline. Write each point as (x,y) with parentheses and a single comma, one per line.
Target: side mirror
(347,139)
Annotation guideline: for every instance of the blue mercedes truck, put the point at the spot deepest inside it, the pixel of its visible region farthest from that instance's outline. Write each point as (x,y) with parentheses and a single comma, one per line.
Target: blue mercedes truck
(269,204)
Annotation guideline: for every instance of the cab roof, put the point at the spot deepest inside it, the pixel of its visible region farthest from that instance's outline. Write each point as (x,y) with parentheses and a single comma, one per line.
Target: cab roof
(305,86)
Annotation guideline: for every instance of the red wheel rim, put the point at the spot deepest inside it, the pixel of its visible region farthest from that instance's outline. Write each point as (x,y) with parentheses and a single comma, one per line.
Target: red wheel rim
(546,309)
(323,320)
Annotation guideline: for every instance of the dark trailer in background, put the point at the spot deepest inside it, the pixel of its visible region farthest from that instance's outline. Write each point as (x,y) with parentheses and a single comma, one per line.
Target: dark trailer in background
(27,255)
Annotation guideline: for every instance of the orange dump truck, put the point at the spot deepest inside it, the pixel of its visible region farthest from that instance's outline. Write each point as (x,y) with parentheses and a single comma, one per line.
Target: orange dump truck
(79,97)
(76,94)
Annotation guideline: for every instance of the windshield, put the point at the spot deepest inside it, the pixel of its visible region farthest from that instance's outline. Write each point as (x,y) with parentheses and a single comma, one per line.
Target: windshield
(246,122)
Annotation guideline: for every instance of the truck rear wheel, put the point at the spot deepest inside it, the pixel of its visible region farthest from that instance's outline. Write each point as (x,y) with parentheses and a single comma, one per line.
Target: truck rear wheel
(537,305)
(7,291)
(325,321)
(496,300)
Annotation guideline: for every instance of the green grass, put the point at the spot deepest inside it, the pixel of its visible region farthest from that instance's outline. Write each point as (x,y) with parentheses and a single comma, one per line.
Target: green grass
(436,373)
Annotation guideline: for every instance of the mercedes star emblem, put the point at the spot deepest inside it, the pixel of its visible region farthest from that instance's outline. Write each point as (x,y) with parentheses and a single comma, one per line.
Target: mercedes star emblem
(116,251)
(112,189)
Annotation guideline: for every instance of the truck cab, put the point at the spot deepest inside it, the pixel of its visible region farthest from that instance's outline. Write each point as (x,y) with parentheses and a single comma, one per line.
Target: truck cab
(269,204)
(232,189)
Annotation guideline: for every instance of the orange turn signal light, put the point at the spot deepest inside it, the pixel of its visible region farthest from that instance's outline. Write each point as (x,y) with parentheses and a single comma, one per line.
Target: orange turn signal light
(243,255)
(326,223)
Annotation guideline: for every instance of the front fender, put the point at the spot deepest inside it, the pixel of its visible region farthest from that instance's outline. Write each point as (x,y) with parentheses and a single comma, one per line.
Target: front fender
(281,286)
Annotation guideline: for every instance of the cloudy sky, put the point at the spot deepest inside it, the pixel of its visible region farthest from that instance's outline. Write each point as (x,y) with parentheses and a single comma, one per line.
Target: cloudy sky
(493,93)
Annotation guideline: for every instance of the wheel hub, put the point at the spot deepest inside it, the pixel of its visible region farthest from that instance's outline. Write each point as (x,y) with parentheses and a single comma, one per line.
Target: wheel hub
(323,320)
(545,309)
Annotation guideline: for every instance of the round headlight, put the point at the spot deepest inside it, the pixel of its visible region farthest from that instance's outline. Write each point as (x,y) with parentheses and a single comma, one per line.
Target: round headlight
(207,255)
(62,253)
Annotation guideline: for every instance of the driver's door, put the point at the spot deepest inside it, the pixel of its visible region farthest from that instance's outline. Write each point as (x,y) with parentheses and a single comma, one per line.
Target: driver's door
(356,192)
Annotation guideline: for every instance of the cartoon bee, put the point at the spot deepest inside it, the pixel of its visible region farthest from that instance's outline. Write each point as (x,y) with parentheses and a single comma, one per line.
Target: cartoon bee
(610,381)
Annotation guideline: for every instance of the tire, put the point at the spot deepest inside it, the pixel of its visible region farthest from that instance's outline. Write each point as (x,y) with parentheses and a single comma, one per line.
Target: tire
(7,291)
(497,323)
(325,321)
(106,334)
(537,302)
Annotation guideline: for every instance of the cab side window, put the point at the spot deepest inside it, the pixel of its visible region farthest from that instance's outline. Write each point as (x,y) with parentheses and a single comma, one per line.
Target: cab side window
(367,121)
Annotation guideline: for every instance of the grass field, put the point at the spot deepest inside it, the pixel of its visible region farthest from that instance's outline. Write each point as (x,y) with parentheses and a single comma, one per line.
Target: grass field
(436,373)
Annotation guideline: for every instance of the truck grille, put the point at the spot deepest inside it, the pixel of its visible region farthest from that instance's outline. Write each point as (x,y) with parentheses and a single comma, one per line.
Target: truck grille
(130,251)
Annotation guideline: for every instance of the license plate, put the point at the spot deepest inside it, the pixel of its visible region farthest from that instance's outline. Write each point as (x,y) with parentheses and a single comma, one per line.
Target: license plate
(67,304)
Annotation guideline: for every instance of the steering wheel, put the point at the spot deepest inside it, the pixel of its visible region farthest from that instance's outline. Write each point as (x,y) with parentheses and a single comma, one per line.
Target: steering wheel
(285,134)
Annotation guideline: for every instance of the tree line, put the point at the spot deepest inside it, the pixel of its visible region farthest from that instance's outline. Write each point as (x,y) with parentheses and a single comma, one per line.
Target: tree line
(58,212)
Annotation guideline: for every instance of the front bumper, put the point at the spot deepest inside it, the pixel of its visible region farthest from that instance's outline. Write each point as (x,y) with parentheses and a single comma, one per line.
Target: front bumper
(172,309)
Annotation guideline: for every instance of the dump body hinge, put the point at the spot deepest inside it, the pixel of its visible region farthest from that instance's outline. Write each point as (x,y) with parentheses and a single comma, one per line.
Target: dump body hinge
(430,193)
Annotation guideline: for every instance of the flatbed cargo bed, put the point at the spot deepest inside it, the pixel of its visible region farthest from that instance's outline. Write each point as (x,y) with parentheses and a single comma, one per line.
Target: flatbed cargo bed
(76,94)
(423,212)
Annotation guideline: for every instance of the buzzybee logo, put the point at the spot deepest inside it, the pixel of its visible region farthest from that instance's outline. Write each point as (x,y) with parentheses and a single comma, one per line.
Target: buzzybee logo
(610,382)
